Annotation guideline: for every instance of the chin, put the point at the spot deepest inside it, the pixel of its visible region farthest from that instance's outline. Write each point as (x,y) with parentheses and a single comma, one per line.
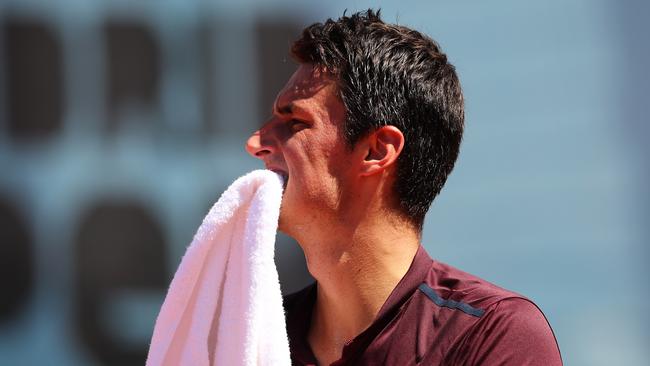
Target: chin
(282,220)
(285,223)
(281,226)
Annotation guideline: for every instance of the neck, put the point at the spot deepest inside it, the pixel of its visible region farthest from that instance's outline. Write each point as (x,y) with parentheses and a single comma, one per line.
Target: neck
(356,270)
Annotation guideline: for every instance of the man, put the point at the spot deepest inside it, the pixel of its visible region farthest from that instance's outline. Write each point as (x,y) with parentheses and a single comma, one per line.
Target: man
(365,133)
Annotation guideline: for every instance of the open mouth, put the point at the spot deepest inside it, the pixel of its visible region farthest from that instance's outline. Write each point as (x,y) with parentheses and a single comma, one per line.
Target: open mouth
(285,180)
(284,175)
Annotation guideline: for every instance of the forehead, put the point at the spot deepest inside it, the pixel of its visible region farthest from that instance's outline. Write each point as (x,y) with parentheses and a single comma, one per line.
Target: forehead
(308,85)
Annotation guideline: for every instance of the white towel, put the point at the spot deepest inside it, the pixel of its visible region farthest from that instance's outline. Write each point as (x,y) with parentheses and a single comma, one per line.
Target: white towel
(224,305)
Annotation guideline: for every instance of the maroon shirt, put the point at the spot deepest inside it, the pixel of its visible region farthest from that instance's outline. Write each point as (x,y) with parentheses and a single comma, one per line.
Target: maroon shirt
(437,315)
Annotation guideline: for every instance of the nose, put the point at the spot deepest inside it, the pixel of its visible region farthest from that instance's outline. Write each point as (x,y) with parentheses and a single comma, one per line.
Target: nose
(257,147)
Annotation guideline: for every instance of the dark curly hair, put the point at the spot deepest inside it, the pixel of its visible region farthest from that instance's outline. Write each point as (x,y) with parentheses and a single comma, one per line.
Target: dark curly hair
(392,75)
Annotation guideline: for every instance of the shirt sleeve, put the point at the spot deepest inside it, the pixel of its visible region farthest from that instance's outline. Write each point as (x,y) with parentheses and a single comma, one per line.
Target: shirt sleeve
(513,331)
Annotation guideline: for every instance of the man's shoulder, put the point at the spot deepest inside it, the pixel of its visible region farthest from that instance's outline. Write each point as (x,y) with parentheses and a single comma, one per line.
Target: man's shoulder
(451,283)
(490,317)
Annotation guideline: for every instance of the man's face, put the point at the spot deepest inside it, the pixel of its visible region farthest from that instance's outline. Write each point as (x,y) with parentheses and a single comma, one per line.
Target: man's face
(303,142)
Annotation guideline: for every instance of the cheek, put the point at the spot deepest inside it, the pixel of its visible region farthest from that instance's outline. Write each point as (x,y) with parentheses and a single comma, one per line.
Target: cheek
(302,158)
(311,186)
(313,166)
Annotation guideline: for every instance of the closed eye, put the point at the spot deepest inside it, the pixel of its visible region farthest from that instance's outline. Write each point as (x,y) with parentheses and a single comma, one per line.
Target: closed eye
(297,125)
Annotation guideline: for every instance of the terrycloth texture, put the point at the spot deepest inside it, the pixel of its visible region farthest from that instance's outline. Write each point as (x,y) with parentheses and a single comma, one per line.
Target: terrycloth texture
(224,305)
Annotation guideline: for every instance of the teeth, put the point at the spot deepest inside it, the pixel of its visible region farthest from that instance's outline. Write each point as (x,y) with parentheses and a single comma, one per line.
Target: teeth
(285,180)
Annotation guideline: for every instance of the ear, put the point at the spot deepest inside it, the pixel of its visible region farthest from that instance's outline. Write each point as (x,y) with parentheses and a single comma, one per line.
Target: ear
(383,148)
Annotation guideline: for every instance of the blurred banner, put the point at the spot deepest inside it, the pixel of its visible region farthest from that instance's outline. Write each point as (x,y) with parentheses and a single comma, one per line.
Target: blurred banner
(122,122)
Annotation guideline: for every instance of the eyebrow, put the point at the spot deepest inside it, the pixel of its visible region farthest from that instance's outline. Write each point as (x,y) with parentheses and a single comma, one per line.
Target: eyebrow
(284,110)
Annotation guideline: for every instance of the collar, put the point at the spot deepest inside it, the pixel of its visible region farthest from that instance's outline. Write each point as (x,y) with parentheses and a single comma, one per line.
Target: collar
(299,324)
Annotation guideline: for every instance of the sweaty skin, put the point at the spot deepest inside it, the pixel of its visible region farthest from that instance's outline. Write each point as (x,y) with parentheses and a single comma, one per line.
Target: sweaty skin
(338,205)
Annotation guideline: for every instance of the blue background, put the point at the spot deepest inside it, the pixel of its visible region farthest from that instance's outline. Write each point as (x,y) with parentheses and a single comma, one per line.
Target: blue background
(549,197)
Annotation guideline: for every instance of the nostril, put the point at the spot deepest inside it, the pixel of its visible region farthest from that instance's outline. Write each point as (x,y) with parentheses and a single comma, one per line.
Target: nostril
(262,152)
